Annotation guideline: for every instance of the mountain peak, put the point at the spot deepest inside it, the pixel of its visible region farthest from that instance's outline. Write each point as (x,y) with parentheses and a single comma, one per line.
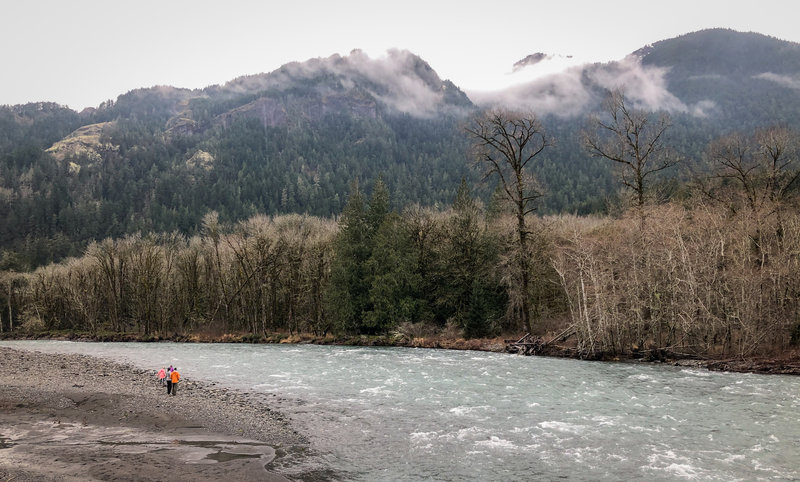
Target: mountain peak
(724,52)
(400,81)
(531,59)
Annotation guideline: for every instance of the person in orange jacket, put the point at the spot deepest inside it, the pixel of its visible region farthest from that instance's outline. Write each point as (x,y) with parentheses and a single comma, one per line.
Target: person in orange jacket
(175,377)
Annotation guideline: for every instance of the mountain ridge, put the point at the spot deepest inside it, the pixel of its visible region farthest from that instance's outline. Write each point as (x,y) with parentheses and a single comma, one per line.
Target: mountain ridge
(292,140)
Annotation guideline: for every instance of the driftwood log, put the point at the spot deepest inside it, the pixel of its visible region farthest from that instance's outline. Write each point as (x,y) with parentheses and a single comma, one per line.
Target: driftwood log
(527,345)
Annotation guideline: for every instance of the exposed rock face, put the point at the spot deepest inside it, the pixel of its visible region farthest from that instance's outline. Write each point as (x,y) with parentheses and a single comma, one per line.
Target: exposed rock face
(354,85)
(85,143)
(267,110)
(201,160)
(531,59)
(181,125)
(273,111)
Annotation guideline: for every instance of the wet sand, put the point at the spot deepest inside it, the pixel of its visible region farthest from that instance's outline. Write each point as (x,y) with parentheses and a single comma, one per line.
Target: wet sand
(74,417)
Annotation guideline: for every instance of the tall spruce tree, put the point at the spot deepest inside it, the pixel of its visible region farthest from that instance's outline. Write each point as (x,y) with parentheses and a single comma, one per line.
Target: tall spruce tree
(468,266)
(354,269)
(393,279)
(378,206)
(347,293)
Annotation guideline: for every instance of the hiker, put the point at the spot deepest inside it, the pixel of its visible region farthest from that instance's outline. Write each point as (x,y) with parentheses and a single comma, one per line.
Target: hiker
(169,379)
(162,374)
(175,377)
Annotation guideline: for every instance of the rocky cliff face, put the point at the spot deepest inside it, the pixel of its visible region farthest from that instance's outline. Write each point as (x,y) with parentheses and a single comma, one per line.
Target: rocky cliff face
(279,110)
(354,85)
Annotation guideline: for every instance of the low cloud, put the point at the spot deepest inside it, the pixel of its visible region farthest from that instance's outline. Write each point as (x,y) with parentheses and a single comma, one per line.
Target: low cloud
(646,86)
(575,91)
(563,94)
(399,79)
(406,82)
(784,80)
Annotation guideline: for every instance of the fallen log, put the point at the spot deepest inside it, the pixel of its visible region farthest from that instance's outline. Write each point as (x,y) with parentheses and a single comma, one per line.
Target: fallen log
(527,345)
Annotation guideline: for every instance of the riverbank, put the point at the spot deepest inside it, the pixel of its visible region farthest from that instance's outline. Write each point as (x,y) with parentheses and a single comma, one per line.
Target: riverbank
(786,363)
(75,417)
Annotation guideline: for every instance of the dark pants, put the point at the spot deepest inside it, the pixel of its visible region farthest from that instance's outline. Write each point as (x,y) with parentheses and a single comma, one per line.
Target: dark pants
(174,388)
(169,387)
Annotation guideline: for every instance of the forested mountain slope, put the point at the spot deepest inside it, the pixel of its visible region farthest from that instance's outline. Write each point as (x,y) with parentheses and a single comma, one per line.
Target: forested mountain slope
(751,79)
(292,140)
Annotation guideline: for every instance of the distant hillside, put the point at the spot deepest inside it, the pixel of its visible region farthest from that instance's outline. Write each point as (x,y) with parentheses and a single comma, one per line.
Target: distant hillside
(354,85)
(292,140)
(723,52)
(751,79)
(36,124)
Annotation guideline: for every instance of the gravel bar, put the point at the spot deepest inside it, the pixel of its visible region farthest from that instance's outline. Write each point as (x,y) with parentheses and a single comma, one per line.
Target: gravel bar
(76,417)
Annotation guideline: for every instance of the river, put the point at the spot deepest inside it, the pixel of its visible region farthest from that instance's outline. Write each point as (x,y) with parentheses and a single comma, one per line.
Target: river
(421,414)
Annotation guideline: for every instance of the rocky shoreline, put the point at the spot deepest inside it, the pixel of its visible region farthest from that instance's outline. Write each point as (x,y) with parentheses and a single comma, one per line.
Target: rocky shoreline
(75,417)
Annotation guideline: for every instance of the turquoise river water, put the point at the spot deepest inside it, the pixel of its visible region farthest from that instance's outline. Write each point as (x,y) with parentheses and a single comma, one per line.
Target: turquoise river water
(419,414)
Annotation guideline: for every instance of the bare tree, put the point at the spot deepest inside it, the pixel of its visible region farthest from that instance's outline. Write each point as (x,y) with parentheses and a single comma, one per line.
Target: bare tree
(764,167)
(734,160)
(192,290)
(212,232)
(112,258)
(10,279)
(83,286)
(634,141)
(147,274)
(778,148)
(505,143)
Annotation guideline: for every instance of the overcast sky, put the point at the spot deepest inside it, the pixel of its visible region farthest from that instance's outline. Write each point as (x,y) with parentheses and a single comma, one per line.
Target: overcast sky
(82,52)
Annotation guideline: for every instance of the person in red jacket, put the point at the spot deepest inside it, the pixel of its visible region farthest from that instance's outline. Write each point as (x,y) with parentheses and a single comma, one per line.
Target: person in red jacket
(175,377)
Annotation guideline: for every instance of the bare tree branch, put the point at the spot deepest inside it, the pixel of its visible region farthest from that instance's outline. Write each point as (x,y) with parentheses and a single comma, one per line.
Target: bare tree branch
(505,143)
(631,141)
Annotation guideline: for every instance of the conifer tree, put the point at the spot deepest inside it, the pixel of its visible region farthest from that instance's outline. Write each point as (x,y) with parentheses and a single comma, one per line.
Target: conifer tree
(392,278)
(468,266)
(346,297)
(378,206)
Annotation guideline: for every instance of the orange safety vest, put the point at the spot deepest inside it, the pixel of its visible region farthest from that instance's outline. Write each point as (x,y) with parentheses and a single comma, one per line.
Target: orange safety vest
(175,376)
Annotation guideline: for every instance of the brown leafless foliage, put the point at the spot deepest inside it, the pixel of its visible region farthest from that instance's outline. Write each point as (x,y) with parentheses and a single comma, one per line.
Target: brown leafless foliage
(10,283)
(263,275)
(634,141)
(755,176)
(543,291)
(695,289)
(111,260)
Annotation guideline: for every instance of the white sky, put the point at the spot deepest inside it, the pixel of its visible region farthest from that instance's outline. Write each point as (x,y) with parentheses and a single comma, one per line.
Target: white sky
(82,52)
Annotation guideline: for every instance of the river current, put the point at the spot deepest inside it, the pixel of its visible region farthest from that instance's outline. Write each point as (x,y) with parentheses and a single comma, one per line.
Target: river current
(420,414)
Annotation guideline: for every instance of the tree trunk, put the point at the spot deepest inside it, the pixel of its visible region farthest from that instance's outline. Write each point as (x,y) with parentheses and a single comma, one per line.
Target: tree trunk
(525,266)
(10,312)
